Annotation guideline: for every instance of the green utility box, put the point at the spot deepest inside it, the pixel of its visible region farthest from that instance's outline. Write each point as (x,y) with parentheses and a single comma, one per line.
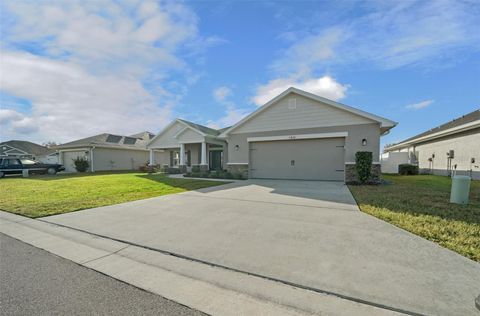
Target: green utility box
(460,189)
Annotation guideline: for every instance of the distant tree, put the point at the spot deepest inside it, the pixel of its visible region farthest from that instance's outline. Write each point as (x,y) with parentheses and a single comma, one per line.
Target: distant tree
(50,143)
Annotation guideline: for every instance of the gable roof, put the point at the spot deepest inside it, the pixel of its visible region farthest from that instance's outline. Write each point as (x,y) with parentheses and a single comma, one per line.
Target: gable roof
(455,125)
(201,129)
(385,124)
(109,140)
(28,147)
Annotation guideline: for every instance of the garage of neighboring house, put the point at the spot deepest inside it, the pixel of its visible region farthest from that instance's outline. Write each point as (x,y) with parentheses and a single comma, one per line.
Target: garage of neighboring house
(67,158)
(107,152)
(305,158)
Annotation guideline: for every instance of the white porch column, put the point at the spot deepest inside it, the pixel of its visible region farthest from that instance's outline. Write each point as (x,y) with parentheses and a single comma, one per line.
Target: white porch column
(152,157)
(182,154)
(204,154)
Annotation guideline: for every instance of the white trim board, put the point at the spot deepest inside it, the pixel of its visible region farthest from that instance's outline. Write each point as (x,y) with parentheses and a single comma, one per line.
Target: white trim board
(74,149)
(295,137)
(450,131)
(14,148)
(170,125)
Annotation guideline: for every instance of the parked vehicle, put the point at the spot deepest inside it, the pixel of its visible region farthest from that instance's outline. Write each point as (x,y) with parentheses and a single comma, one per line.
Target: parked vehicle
(16,166)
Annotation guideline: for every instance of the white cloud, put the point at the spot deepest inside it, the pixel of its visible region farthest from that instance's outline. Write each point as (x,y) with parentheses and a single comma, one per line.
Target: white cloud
(325,86)
(221,93)
(388,35)
(419,105)
(8,116)
(95,66)
(26,125)
(310,51)
(91,32)
(232,113)
(69,103)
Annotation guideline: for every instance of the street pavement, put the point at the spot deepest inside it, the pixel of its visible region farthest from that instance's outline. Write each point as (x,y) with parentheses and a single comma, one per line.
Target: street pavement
(35,282)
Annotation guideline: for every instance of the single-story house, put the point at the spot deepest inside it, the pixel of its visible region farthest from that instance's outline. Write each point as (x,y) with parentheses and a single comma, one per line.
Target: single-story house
(107,152)
(29,150)
(296,135)
(450,147)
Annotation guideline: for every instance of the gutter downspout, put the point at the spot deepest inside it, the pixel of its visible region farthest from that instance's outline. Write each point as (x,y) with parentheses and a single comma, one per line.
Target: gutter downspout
(91,159)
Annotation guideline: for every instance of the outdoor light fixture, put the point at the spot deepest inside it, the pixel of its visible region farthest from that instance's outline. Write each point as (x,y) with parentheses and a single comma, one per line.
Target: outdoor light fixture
(364,142)
(237,147)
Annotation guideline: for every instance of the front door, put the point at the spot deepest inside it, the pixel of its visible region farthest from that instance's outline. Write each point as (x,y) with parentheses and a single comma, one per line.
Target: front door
(215,160)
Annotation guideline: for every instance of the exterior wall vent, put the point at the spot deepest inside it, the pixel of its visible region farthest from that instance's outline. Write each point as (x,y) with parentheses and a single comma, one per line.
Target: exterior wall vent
(292,103)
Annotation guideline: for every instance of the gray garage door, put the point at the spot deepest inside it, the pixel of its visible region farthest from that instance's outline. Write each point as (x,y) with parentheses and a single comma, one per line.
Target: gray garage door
(309,159)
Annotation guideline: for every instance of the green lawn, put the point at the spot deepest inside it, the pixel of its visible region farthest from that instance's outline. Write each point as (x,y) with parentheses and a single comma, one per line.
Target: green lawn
(420,204)
(48,195)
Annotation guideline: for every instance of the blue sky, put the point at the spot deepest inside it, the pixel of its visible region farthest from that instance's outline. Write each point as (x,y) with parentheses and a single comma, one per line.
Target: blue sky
(73,69)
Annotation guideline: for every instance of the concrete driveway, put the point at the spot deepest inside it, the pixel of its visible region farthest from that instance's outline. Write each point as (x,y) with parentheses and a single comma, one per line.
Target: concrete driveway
(308,233)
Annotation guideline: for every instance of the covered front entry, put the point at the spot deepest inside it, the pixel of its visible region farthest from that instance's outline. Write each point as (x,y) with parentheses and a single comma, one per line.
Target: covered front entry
(302,159)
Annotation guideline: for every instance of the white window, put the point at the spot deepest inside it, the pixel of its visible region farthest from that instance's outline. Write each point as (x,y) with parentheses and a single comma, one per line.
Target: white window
(176,158)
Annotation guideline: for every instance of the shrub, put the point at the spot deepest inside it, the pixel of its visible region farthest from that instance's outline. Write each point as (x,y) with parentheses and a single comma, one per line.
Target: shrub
(238,176)
(407,169)
(81,164)
(363,165)
(195,169)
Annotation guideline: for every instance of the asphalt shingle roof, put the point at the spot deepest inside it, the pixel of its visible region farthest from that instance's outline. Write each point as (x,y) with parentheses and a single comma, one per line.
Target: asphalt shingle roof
(29,147)
(467,118)
(203,129)
(111,140)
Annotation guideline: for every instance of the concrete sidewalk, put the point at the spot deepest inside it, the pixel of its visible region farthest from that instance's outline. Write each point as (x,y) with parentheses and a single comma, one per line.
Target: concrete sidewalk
(210,289)
(307,233)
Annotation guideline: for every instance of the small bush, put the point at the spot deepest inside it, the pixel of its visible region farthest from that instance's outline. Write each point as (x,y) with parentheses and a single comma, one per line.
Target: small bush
(195,169)
(238,176)
(407,169)
(81,164)
(363,165)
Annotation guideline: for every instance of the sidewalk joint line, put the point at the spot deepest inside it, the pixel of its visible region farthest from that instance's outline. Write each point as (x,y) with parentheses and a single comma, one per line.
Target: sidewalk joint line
(104,256)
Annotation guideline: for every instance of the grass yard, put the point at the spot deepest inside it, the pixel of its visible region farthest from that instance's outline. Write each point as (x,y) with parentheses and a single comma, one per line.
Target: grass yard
(48,195)
(420,204)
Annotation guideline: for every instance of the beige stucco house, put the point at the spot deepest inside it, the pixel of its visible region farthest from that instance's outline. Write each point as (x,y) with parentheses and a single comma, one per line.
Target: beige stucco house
(296,135)
(106,152)
(450,147)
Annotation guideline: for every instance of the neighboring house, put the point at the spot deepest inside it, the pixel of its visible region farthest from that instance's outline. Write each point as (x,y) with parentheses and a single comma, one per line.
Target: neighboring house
(297,135)
(450,147)
(107,152)
(25,149)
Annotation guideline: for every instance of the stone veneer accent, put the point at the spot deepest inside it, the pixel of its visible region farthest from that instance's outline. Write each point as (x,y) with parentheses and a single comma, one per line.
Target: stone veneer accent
(351,173)
(243,169)
(182,168)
